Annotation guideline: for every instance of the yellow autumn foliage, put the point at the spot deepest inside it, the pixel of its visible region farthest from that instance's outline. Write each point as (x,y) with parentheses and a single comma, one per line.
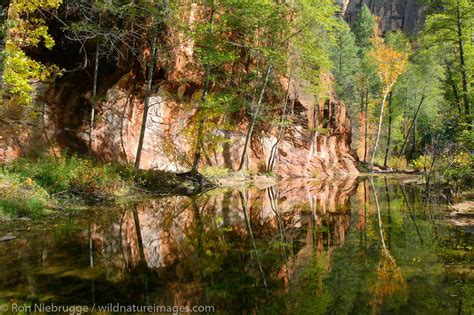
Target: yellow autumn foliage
(390,62)
(21,71)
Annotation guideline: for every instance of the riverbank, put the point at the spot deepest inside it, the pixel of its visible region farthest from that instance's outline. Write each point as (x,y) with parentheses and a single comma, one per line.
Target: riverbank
(32,188)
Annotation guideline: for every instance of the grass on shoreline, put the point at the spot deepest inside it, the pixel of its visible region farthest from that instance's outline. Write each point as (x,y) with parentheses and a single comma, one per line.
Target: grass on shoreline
(21,197)
(31,187)
(28,188)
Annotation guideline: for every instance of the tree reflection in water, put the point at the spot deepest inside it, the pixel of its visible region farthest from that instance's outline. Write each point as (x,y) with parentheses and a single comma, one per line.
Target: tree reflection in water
(389,278)
(302,246)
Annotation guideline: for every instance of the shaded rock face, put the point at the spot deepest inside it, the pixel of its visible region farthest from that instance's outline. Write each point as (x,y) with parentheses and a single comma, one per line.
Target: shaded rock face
(405,15)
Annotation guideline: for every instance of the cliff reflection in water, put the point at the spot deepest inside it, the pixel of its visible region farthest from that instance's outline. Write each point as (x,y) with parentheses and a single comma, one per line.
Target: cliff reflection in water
(238,243)
(341,246)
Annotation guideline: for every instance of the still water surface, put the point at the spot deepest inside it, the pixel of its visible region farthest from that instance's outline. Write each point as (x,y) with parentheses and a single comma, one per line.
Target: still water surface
(300,247)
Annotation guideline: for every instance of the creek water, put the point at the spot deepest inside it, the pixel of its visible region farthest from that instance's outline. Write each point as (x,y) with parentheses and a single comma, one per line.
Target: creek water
(345,246)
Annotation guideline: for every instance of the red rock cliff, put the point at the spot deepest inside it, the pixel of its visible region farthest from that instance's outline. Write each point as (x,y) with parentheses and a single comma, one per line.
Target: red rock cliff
(317,143)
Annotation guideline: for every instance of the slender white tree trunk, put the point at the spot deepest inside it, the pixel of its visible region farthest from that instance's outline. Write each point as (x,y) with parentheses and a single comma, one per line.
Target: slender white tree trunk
(254,118)
(94,96)
(379,127)
(146,105)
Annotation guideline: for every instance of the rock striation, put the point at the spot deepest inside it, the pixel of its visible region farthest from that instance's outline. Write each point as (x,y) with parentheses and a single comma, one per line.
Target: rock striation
(317,143)
(405,15)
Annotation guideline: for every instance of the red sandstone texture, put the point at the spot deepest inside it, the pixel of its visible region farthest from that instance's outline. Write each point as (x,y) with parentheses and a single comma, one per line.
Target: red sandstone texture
(316,144)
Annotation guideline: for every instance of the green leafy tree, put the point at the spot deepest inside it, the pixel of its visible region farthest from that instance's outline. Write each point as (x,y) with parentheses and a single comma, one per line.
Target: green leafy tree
(450,27)
(345,58)
(154,18)
(303,24)
(390,64)
(398,41)
(364,28)
(418,93)
(25,28)
(367,81)
(213,52)
(110,28)
(3,17)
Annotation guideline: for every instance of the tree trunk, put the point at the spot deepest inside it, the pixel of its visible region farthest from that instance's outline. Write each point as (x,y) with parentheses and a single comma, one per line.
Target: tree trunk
(366,111)
(389,131)
(454,87)
(382,107)
(254,118)
(379,217)
(411,155)
(3,19)
(464,78)
(130,101)
(405,106)
(146,106)
(200,136)
(131,26)
(411,126)
(94,96)
(340,48)
(141,252)
(243,199)
(389,225)
(271,159)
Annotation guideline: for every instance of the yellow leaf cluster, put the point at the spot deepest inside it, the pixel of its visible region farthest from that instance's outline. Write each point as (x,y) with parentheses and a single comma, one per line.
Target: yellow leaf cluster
(390,63)
(389,281)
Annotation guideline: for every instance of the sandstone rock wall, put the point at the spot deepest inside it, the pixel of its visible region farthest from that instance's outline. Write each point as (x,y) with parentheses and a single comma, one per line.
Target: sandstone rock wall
(316,144)
(405,15)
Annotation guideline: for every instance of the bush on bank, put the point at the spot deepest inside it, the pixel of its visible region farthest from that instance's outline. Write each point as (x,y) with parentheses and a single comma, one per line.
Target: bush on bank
(70,175)
(21,197)
(30,186)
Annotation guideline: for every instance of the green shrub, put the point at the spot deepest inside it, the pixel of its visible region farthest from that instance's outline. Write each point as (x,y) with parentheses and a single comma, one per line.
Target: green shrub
(397,163)
(21,197)
(215,171)
(456,165)
(458,169)
(70,175)
(422,163)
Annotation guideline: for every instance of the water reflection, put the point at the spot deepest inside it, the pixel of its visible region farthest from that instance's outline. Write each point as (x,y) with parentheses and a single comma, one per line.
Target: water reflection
(342,246)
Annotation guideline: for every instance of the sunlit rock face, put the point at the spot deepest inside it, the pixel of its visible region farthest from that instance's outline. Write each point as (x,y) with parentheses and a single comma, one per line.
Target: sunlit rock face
(405,15)
(318,144)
